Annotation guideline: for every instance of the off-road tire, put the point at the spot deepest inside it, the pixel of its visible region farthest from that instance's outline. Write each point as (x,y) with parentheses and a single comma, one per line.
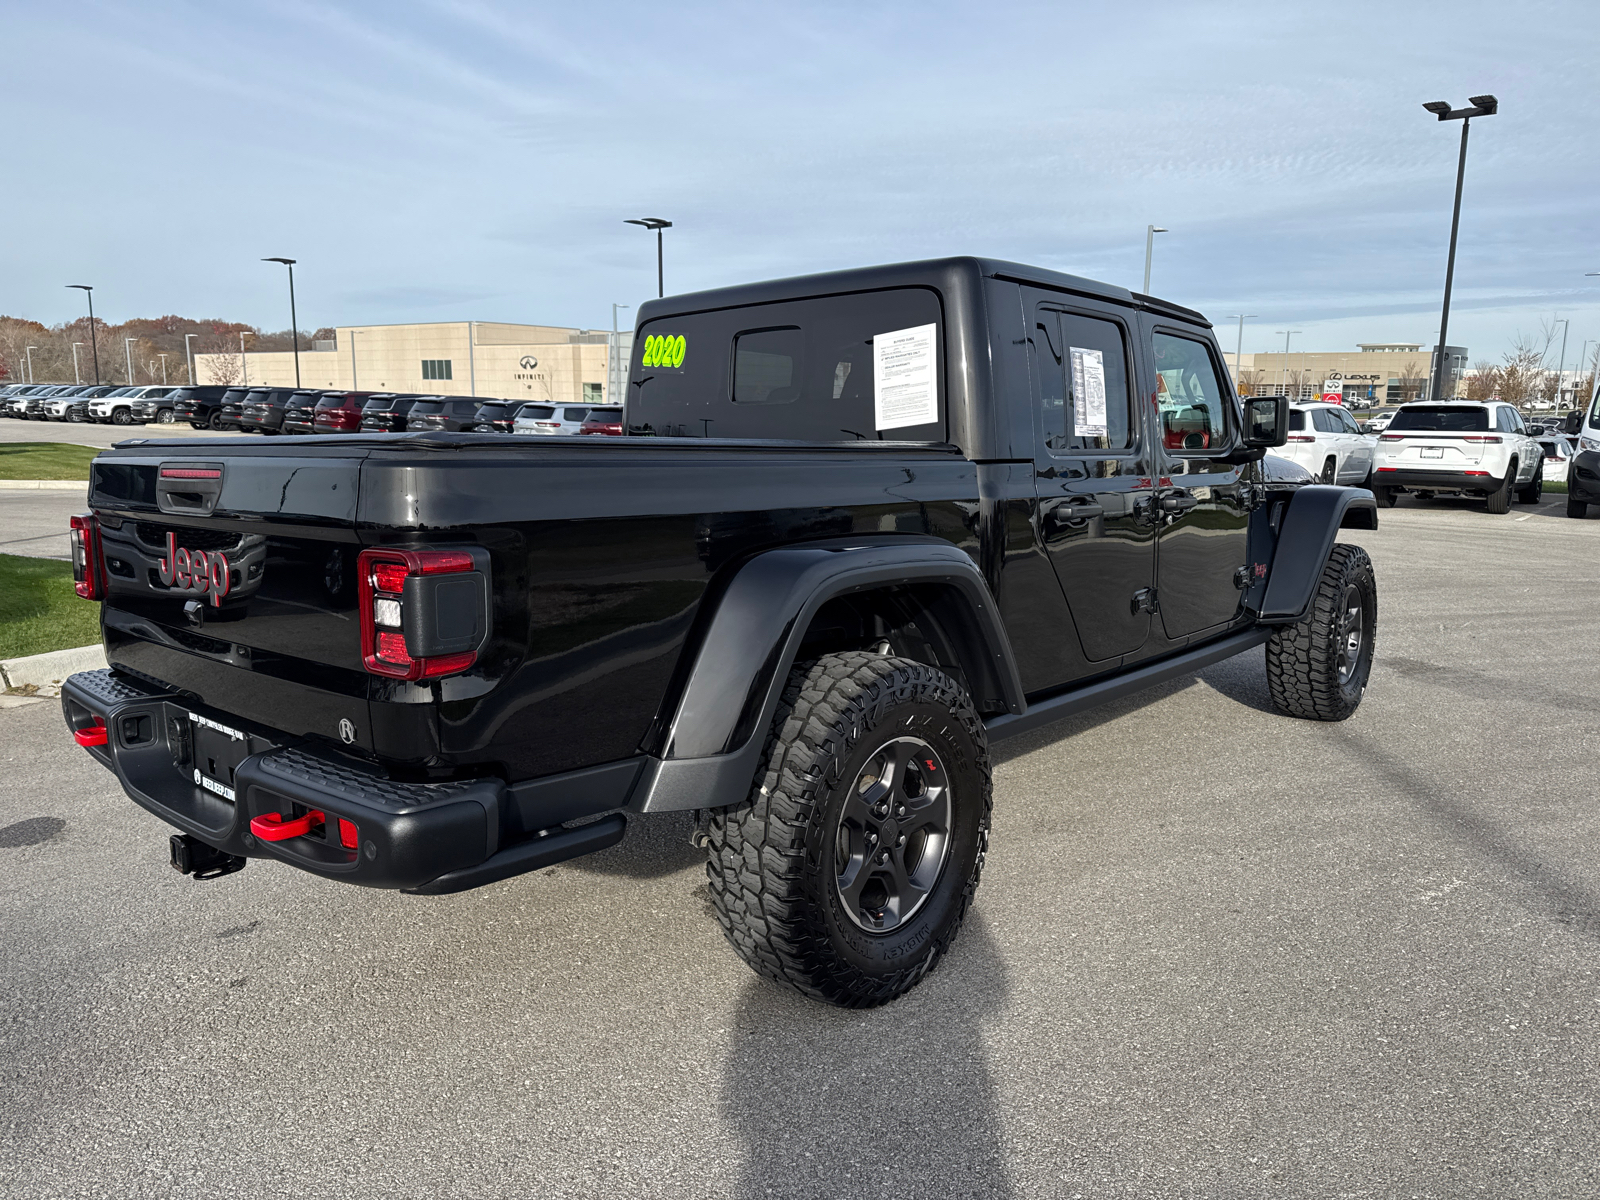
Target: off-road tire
(1303,673)
(772,868)
(1533,491)
(1500,498)
(1576,508)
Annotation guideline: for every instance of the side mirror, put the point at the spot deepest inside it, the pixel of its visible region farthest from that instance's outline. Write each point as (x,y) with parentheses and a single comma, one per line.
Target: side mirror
(1266,421)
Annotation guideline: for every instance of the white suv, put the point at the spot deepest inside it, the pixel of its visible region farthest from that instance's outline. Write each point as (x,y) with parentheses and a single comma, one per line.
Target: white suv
(117,408)
(1325,440)
(1466,447)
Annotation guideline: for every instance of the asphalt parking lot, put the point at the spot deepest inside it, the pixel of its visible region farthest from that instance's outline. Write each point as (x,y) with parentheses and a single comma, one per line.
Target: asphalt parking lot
(1217,952)
(84,433)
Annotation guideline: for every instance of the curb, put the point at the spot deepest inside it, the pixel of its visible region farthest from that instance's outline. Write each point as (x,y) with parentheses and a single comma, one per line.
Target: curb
(43,674)
(45,485)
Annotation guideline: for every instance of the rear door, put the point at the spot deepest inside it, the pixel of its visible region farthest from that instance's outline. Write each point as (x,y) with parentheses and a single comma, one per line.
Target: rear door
(1200,501)
(1093,471)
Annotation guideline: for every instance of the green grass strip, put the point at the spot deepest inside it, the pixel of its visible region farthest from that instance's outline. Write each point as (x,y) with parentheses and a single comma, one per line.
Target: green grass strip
(39,611)
(45,460)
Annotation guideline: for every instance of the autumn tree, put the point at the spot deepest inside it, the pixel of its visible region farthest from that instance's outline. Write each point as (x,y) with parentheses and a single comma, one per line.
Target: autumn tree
(1483,383)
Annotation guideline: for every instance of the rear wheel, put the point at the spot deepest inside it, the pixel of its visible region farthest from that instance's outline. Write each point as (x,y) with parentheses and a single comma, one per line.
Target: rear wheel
(847,873)
(1385,496)
(1330,472)
(1575,507)
(215,423)
(1318,668)
(1534,489)
(1500,498)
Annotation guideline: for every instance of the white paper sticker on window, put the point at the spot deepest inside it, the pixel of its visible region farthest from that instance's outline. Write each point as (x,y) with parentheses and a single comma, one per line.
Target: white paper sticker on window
(904,383)
(1088,393)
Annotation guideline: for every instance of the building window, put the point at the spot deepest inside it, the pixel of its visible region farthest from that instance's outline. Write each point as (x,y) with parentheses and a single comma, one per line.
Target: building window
(594,393)
(436,368)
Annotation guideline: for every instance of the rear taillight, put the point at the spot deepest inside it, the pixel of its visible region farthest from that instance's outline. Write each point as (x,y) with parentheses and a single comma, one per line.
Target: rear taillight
(1297,437)
(1491,439)
(1391,437)
(424,613)
(88,568)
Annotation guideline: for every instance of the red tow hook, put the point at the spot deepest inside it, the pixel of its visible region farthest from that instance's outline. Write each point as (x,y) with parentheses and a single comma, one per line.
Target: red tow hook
(271,827)
(96,735)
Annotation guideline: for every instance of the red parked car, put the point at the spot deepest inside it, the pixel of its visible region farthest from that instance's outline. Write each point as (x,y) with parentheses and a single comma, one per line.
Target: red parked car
(339,412)
(604,421)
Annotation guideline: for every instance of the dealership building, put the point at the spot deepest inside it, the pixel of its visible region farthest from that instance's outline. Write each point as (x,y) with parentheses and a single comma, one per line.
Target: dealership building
(1372,374)
(546,363)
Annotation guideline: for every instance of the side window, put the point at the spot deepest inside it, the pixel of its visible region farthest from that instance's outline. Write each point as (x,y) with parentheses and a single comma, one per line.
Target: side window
(1189,401)
(1085,397)
(1346,420)
(1326,420)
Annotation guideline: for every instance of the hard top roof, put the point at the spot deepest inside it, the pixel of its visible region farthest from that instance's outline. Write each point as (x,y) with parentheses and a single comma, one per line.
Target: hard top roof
(926,272)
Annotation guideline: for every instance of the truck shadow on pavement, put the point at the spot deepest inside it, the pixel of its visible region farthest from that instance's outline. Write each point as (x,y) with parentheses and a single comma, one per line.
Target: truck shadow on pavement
(895,1101)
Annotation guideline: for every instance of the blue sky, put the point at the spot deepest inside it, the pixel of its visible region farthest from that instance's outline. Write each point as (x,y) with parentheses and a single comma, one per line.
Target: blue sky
(451,160)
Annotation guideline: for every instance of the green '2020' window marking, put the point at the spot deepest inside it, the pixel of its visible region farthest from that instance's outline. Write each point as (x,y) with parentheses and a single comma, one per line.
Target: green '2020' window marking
(664,350)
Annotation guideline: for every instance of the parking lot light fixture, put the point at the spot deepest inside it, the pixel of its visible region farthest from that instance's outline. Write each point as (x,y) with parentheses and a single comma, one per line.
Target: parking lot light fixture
(188,352)
(1238,346)
(94,348)
(1477,106)
(294,326)
(31,349)
(127,348)
(1283,379)
(658,225)
(1150,232)
(163,359)
(77,375)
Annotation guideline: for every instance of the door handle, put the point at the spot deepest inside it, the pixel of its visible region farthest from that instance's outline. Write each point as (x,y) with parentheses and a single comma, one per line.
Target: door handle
(1076,512)
(1177,502)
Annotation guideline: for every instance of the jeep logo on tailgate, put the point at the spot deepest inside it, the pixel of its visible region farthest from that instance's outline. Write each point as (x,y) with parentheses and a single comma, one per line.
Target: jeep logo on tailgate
(195,570)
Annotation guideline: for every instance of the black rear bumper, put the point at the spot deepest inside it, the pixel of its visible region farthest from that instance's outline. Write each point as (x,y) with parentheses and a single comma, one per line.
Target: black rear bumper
(209,774)
(1444,481)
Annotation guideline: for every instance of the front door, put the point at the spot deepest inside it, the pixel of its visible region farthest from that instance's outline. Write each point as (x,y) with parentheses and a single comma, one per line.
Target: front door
(1094,474)
(1201,548)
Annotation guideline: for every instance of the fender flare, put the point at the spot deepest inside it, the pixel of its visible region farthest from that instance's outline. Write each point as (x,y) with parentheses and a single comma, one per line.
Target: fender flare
(714,740)
(1306,535)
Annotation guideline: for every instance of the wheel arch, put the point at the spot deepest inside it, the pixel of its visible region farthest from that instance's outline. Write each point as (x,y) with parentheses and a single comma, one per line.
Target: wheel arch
(778,602)
(1315,515)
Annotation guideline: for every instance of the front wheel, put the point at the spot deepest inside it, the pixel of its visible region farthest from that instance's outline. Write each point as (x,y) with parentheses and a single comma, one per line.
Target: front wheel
(1318,668)
(164,417)
(847,873)
(121,416)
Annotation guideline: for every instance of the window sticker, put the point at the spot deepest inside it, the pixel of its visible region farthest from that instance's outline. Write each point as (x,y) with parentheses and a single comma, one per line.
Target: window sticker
(904,385)
(664,350)
(1088,393)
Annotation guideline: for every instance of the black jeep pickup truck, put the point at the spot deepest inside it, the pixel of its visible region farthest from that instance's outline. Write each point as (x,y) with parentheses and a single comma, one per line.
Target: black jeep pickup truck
(862,526)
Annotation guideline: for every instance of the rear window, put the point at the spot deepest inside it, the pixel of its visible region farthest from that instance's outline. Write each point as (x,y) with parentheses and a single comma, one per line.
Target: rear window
(496,412)
(536,412)
(423,407)
(235,395)
(380,404)
(611,415)
(1297,420)
(333,401)
(1443,419)
(801,369)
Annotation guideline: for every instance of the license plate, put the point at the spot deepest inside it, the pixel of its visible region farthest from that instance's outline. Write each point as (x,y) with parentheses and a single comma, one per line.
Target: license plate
(1433,452)
(218,749)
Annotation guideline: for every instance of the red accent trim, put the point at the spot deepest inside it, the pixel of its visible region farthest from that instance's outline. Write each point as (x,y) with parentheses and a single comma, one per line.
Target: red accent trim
(271,827)
(1485,474)
(190,473)
(1388,469)
(348,837)
(96,735)
(86,534)
(447,664)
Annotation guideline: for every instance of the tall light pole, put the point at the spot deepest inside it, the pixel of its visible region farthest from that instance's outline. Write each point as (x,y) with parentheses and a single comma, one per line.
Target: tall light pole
(188,352)
(1561,369)
(127,348)
(614,372)
(1239,346)
(94,348)
(1283,371)
(244,363)
(658,225)
(294,327)
(163,359)
(77,375)
(1479,106)
(31,349)
(1150,232)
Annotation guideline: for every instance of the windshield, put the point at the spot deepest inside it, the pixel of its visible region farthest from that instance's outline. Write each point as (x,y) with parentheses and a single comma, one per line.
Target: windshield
(1443,418)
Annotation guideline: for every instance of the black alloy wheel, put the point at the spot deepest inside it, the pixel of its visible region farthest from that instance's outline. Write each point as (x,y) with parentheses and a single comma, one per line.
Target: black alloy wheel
(892,836)
(1533,491)
(1351,639)
(215,423)
(164,417)
(1330,472)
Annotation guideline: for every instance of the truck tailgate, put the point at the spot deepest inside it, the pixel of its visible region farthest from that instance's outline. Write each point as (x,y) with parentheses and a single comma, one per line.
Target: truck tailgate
(271,634)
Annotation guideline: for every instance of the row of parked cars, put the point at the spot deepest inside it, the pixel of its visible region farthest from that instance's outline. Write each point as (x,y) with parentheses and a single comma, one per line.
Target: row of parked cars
(275,410)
